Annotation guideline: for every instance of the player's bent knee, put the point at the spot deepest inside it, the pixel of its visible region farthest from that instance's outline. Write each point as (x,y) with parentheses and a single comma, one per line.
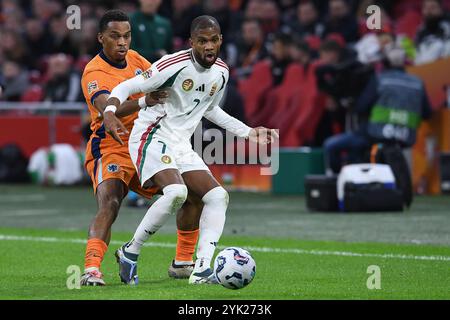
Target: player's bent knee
(217,195)
(176,194)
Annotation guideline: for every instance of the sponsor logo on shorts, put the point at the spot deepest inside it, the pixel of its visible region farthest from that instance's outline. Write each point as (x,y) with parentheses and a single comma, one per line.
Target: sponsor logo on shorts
(147,74)
(213,89)
(92,86)
(166,159)
(113,167)
(188,84)
(138,71)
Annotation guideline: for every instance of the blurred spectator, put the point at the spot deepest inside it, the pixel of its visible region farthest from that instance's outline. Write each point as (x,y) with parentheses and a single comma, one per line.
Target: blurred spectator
(14,48)
(62,42)
(38,40)
(341,77)
(267,12)
(433,36)
(15,81)
(12,15)
(307,21)
(300,53)
(280,56)
(390,108)
(151,34)
(88,43)
(250,48)
(183,12)
(220,10)
(370,48)
(63,83)
(340,74)
(340,20)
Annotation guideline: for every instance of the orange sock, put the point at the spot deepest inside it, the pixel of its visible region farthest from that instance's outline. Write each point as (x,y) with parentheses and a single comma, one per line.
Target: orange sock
(95,250)
(186,242)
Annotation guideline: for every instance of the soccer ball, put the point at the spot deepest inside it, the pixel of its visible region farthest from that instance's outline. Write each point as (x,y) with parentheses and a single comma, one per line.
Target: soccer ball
(234,268)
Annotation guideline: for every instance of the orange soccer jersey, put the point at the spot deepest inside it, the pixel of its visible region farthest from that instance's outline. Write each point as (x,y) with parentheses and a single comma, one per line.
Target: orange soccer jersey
(105,157)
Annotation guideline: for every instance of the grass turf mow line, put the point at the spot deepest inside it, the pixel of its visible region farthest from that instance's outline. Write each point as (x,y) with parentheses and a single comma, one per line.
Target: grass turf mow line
(4,237)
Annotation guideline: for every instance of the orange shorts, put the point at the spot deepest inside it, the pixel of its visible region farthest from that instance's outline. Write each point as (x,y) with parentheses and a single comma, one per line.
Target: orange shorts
(116,165)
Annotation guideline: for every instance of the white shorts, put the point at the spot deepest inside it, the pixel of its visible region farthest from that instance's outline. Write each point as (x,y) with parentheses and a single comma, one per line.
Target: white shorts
(153,153)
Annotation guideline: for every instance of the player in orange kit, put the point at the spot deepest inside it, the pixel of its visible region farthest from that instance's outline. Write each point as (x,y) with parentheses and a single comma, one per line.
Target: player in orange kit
(108,163)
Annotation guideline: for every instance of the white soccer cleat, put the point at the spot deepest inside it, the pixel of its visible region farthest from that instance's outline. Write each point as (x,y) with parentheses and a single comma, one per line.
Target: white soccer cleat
(92,277)
(205,277)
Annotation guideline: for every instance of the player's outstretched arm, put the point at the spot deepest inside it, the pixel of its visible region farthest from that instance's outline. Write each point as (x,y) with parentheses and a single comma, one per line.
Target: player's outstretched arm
(260,135)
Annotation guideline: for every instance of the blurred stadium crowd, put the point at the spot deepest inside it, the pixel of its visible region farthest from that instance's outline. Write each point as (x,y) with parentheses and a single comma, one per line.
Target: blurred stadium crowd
(306,62)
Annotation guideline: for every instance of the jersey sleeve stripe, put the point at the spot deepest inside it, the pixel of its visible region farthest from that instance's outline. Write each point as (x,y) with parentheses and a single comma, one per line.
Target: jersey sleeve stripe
(221,64)
(95,95)
(175,62)
(162,63)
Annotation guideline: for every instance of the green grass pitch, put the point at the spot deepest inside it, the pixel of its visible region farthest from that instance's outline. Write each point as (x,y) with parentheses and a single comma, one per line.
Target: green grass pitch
(299,255)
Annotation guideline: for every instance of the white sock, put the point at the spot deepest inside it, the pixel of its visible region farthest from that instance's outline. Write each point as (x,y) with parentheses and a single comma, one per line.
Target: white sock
(172,199)
(212,222)
(183,263)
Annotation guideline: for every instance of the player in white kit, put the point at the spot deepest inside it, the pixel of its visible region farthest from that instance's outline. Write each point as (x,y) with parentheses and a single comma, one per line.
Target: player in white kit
(160,147)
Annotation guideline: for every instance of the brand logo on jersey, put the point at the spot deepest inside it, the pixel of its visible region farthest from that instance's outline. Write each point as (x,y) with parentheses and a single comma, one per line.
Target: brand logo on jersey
(166,159)
(187,84)
(213,89)
(201,88)
(147,74)
(138,71)
(113,167)
(92,86)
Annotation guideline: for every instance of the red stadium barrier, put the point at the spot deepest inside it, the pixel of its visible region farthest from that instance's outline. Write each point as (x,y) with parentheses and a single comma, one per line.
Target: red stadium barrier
(33,132)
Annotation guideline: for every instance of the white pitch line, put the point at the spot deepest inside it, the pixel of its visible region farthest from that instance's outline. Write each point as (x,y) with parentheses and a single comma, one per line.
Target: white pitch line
(250,248)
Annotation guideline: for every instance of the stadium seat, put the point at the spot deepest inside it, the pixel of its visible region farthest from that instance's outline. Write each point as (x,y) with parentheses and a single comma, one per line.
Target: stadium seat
(302,108)
(403,6)
(34,93)
(81,62)
(408,24)
(254,88)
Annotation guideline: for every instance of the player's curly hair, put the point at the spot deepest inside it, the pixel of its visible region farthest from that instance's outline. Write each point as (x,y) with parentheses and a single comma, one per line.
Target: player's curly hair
(112,15)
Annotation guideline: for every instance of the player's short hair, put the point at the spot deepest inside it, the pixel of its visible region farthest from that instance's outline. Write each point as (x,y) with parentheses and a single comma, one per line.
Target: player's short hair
(112,15)
(204,22)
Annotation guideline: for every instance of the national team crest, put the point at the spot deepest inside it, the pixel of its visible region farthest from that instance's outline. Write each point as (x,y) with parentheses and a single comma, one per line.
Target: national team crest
(92,86)
(113,167)
(166,159)
(147,74)
(213,89)
(188,84)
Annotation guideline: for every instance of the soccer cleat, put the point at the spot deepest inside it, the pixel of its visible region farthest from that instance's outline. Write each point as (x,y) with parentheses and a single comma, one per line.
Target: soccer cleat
(178,271)
(127,267)
(205,277)
(92,278)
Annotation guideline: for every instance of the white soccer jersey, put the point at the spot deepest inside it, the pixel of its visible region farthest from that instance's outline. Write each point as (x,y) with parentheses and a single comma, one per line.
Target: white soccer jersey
(194,92)
(161,134)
